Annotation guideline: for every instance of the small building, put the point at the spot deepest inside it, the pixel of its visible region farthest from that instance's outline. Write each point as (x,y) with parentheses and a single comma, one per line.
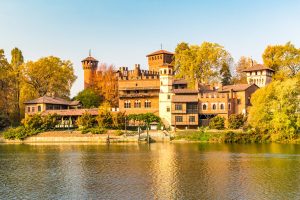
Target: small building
(47,103)
(259,75)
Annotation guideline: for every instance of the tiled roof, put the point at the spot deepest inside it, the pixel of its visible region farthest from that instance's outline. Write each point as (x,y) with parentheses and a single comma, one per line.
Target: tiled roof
(72,112)
(52,100)
(184,98)
(90,58)
(238,87)
(160,52)
(185,91)
(179,81)
(257,68)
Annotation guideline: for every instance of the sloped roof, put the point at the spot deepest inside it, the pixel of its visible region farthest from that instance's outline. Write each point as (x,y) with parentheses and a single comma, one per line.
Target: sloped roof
(257,68)
(185,91)
(184,98)
(235,88)
(52,100)
(72,112)
(90,58)
(160,52)
(179,82)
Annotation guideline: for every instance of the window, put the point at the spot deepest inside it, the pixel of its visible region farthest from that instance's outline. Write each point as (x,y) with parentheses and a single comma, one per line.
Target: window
(178,118)
(165,71)
(137,104)
(168,109)
(169,71)
(238,101)
(169,96)
(192,119)
(204,107)
(33,110)
(214,107)
(229,106)
(222,107)
(39,108)
(192,108)
(127,104)
(178,106)
(28,109)
(147,104)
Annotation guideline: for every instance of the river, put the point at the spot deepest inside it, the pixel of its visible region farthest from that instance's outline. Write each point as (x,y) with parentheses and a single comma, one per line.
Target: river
(156,171)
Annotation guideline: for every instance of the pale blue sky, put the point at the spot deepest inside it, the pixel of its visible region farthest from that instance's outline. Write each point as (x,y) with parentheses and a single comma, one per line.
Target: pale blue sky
(122,32)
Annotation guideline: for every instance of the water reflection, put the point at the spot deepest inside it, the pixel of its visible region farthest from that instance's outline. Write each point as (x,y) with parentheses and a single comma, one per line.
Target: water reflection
(158,171)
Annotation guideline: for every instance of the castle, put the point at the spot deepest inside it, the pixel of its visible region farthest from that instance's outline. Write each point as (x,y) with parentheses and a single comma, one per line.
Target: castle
(156,90)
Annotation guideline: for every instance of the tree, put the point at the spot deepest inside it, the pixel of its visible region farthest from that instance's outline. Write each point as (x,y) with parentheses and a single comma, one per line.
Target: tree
(225,74)
(4,84)
(86,120)
(217,123)
(283,57)
(275,108)
(89,98)
(202,63)
(242,64)
(50,75)
(16,78)
(107,84)
(104,117)
(236,121)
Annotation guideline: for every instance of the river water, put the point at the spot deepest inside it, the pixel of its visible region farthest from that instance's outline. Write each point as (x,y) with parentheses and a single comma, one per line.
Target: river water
(156,171)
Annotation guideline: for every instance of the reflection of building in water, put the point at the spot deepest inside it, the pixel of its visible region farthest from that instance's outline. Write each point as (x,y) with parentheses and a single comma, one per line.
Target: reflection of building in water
(164,171)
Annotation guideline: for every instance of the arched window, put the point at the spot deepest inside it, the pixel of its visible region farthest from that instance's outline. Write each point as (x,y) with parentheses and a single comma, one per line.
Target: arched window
(137,104)
(39,108)
(222,107)
(127,104)
(214,107)
(169,71)
(147,104)
(165,71)
(204,107)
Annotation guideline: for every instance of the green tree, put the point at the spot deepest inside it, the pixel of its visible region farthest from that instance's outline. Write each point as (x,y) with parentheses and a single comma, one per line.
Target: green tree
(283,57)
(236,121)
(225,75)
(86,120)
(89,98)
(275,108)
(104,117)
(217,122)
(50,75)
(201,62)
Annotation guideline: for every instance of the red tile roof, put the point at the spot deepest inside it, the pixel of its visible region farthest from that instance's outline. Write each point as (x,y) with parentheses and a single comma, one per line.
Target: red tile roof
(160,52)
(52,100)
(72,112)
(184,98)
(257,68)
(235,88)
(90,58)
(185,91)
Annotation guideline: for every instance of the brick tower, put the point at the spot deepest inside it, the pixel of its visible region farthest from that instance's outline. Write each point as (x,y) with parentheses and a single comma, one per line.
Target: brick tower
(89,66)
(159,58)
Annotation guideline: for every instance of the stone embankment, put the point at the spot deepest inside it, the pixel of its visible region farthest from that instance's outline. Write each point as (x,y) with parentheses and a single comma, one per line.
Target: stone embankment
(77,137)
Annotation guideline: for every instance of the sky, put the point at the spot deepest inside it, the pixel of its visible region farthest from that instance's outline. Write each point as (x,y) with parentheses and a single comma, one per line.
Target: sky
(122,32)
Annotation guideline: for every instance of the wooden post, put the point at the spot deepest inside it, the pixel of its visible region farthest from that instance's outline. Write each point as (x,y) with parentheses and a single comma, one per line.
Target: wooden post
(148,138)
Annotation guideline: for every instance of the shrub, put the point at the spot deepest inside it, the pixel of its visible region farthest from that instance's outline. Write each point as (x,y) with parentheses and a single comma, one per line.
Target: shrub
(86,121)
(119,132)
(95,130)
(33,121)
(19,133)
(236,121)
(49,122)
(217,123)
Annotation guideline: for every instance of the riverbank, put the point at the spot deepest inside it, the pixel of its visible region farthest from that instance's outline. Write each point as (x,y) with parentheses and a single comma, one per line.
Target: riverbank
(185,136)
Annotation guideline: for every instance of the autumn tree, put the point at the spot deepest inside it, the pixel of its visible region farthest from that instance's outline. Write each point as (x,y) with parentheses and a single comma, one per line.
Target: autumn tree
(275,108)
(204,63)
(242,64)
(49,75)
(107,84)
(4,84)
(285,58)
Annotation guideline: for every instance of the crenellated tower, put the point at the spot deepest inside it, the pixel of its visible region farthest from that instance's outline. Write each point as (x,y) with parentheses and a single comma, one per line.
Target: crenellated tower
(89,66)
